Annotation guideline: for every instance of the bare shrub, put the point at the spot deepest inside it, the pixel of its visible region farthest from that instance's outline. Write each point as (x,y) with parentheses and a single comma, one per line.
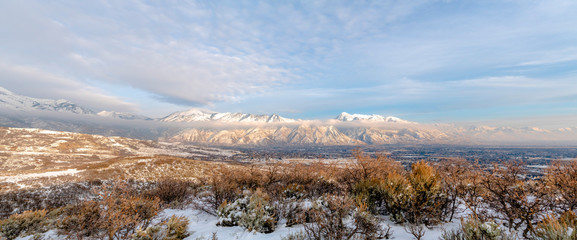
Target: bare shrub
(455,177)
(44,198)
(116,214)
(219,189)
(473,192)
(561,179)
(516,200)
(294,211)
(171,191)
(417,230)
(328,220)
(368,225)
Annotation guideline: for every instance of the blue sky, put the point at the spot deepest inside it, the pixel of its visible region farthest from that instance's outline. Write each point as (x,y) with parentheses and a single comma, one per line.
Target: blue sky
(426,61)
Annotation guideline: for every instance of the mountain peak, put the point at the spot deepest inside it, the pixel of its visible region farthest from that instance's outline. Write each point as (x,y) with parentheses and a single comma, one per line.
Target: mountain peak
(346,117)
(10,100)
(200,115)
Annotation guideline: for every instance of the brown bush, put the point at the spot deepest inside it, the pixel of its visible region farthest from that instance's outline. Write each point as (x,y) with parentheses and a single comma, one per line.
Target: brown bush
(28,221)
(455,177)
(561,179)
(397,193)
(366,168)
(171,191)
(518,201)
(116,214)
(427,200)
(328,220)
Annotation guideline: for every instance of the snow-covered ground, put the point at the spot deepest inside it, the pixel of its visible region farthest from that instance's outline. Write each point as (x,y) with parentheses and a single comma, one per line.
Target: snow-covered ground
(203,225)
(20,177)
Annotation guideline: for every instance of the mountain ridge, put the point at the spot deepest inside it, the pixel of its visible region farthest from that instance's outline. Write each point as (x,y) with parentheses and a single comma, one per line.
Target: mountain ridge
(10,100)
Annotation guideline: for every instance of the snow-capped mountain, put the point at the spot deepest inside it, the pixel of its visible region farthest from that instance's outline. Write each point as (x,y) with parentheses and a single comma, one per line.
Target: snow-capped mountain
(122,115)
(305,134)
(346,117)
(200,115)
(12,101)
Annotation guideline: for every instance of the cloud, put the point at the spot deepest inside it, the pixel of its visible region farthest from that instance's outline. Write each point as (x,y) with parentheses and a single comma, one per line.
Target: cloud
(138,45)
(304,57)
(35,82)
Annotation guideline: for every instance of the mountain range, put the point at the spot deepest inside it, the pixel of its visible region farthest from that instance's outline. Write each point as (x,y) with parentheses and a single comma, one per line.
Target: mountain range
(10,100)
(198,126)
(200,115)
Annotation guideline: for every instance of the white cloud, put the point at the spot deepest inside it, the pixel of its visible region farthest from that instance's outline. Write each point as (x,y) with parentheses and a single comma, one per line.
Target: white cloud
(30,81)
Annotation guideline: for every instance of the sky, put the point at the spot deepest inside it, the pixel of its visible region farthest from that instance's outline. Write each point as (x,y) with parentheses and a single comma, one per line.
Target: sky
(425,61)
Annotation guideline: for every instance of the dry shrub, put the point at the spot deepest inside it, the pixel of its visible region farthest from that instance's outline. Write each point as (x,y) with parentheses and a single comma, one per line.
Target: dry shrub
(171,191)
(427,200)
(372,193)
(456,176)
(174,228)
(218,189)
(397,193)
(316,179)
(473,191)
(294,212)
(26,222)
(328,220)
(116,214)
(417,230)
(555,229)
(44,198)
(516,200)
(561,178)
(366,168)
(328,217)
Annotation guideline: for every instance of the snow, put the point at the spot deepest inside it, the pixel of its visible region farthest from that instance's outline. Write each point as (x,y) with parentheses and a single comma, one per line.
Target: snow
(200,115)
(20,177)
(346,117)
(10,100)
(202,225)
(122,115)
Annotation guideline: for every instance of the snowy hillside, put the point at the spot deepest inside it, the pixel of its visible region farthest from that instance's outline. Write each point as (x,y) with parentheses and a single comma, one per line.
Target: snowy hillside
(200,115)
(122,115)
(12,101)
(346,117)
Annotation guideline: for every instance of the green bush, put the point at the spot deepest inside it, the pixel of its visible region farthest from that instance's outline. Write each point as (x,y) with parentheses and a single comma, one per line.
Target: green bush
(253,211)
(473,229)
(229,213)
(260,215)
(174,228)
